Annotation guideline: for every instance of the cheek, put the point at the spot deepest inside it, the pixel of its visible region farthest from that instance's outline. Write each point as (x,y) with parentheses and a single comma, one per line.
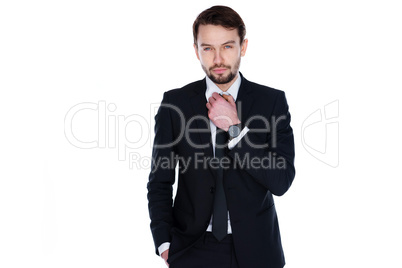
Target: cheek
(206,58)
(233,55)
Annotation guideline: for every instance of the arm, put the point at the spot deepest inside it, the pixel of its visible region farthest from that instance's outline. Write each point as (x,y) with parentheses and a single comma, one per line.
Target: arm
(278,143)
(280,147)
(161,179)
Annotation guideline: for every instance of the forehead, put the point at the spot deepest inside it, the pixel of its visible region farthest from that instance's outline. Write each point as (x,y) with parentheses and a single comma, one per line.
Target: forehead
(216,34)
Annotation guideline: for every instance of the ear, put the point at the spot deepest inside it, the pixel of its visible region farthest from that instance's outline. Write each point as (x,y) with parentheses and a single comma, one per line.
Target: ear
(244,47)
(196,51)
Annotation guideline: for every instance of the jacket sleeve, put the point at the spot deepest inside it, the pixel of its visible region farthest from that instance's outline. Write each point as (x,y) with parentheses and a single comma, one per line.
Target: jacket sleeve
(278,151)
(161,179)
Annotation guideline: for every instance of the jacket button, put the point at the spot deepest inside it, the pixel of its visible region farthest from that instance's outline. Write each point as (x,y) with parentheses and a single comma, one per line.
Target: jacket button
(212,190)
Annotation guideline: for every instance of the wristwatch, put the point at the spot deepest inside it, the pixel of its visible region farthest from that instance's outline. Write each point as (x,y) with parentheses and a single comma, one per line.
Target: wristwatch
(234,131)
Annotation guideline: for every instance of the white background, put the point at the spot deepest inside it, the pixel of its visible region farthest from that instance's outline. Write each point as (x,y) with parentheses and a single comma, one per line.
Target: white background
(64,206)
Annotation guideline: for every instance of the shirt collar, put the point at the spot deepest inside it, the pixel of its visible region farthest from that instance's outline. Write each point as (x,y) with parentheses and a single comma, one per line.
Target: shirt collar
(212,87)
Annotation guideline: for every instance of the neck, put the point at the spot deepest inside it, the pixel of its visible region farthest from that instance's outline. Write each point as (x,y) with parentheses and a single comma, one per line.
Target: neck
(225,87)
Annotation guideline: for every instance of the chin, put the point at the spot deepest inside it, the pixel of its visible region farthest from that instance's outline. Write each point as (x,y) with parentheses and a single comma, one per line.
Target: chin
(220,79)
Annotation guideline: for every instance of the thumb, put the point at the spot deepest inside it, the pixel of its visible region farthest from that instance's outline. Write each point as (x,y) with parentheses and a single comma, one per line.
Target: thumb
(230,99)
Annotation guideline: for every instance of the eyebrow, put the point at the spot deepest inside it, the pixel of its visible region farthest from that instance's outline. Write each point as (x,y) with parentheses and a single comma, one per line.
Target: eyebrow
(228,42)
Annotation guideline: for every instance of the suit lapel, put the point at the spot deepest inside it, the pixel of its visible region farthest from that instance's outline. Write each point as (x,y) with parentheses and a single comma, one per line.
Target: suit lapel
(244,101)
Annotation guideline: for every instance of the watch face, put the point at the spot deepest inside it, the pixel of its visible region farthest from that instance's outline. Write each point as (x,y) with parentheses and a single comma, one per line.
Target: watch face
(234,131)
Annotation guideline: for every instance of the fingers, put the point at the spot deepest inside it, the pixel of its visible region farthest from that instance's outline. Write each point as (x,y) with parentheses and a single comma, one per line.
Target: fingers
(216,97)
(164,256)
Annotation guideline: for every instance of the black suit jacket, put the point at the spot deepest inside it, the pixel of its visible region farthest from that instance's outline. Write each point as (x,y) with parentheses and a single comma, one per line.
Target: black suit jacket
(182,135)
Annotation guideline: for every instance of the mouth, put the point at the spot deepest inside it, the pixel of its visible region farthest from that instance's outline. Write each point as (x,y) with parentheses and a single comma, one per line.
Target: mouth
(219,70)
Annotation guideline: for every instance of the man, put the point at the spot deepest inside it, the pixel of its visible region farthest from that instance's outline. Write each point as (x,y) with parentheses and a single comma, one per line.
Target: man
(223,214)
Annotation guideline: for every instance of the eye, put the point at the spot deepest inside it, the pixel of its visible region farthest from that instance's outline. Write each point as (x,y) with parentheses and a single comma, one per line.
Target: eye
(227,46)
(207,49)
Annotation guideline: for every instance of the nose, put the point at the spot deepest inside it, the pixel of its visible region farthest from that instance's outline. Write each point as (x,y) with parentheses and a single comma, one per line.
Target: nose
(218,58)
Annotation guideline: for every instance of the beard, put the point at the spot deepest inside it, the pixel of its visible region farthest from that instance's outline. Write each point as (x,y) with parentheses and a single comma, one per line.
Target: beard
(220,78)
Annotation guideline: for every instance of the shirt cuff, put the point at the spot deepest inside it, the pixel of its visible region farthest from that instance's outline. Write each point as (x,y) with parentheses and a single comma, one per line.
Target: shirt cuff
(163,247)
(236,140)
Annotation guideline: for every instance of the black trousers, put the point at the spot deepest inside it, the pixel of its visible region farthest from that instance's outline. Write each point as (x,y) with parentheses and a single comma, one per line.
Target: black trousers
(208,253)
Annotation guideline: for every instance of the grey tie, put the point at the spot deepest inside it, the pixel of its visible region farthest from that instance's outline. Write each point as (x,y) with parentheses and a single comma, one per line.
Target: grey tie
(220,213)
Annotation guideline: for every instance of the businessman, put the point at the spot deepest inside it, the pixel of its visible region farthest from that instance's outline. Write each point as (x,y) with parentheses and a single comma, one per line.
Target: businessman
(233,144)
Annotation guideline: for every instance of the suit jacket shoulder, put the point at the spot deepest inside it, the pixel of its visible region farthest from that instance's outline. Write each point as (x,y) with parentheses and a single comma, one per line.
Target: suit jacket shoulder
(187,90)
(261,91)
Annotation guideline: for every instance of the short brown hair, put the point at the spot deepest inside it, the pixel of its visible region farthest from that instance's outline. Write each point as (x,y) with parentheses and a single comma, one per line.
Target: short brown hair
(220,15)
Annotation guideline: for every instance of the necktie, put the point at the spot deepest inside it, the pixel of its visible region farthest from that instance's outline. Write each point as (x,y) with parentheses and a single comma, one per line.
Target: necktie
(220,210)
